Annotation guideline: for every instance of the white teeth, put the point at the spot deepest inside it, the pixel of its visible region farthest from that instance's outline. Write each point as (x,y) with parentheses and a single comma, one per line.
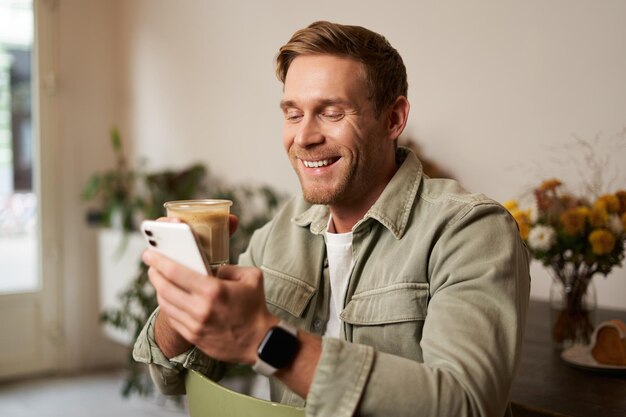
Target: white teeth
(316,164)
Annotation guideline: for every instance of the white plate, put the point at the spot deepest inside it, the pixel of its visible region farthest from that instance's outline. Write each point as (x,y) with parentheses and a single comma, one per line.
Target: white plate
(580,356)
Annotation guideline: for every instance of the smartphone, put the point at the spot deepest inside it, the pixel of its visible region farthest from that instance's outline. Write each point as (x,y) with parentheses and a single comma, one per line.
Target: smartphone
(176,241)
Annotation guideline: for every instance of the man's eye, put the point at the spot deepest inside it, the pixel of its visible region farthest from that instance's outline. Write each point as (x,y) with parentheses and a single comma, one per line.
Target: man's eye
(293,117)
(333,115)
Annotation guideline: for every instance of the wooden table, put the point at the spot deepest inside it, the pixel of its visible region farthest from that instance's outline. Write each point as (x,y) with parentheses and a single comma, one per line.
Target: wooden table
(547,386)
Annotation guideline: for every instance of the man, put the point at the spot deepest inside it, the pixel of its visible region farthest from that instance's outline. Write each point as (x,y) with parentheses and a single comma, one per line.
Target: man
(408,294)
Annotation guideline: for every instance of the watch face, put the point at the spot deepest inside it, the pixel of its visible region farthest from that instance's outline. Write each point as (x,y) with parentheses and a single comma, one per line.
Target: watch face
(278,348)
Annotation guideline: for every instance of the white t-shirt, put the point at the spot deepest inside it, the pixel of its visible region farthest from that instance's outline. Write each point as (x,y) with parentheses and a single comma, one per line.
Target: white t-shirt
(340,262)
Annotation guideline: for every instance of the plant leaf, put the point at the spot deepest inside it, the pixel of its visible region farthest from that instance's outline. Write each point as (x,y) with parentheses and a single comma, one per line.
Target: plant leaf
(116,140)
(92,187)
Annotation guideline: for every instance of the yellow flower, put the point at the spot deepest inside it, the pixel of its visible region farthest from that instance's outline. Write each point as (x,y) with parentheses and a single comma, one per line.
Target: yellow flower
(573,220)
(610,203)
(549,185)
(524,230)
(602,241)
(599,215)
(584,211)
(510,205)
(522,219)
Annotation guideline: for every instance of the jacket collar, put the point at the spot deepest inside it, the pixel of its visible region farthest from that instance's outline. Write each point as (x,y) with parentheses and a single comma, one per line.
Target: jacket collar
(391,209)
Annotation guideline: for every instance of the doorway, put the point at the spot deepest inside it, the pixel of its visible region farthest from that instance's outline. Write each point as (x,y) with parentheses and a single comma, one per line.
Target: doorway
(28,275)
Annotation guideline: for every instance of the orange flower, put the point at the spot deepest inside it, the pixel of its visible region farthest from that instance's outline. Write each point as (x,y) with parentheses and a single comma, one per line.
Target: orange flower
(599,215)
(573,220)
(549,185)
(610,202)
(602,241)
(621,196)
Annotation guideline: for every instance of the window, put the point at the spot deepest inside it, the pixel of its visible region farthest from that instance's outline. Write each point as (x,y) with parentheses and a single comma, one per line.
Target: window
(18,202)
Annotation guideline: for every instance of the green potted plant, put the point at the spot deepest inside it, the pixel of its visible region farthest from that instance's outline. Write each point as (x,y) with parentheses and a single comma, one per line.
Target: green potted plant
(114,191)
(124,196)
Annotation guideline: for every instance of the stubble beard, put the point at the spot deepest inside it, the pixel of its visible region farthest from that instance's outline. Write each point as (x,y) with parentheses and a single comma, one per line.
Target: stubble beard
(324,192)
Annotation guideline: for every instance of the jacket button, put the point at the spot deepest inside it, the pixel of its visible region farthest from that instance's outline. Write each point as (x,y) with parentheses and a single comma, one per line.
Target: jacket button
(317,324)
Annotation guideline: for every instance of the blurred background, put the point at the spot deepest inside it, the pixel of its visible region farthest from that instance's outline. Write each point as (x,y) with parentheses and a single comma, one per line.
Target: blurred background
(503,94)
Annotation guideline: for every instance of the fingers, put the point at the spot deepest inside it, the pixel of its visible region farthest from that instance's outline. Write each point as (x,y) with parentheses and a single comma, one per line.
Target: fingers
(179,322)
(247,275)
(188,308)
(229,272)
(233,223)
(167,290)
(180,275)
(169,220)
(181,288)
(222,317)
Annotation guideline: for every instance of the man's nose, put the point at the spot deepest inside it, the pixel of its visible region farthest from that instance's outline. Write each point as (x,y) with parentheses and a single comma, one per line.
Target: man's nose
(309,132)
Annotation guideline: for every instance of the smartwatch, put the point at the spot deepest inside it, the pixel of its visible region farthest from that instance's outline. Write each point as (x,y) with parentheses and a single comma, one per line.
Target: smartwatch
(277,349)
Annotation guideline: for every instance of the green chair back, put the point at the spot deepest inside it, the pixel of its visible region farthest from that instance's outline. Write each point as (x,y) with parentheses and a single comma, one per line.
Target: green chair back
(209,399)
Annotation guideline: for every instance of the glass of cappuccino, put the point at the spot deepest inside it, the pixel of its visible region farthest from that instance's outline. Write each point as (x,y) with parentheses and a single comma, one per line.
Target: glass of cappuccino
(209,221)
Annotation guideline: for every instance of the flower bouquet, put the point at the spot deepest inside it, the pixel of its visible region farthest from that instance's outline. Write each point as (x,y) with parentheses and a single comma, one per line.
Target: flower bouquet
(575,238)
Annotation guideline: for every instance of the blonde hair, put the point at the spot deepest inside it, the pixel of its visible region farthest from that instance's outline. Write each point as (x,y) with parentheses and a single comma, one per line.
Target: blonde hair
(385,73)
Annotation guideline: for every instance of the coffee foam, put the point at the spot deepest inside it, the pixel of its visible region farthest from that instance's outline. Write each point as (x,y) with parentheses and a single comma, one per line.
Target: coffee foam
(211,229)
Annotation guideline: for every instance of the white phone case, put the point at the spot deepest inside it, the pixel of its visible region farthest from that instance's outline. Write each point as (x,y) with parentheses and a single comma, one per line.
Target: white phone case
(176,241)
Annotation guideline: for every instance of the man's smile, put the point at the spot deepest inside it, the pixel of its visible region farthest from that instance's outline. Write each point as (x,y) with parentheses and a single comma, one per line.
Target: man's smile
(318,163)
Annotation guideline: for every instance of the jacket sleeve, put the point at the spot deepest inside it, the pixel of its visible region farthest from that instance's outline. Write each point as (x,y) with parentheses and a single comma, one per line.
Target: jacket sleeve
(471,340)
(168,374)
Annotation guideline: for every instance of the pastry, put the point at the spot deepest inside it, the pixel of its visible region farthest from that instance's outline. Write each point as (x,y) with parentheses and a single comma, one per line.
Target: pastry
(608,343)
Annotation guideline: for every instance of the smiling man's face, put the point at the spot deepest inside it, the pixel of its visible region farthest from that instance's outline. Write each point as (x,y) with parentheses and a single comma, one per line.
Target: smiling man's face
(335,142)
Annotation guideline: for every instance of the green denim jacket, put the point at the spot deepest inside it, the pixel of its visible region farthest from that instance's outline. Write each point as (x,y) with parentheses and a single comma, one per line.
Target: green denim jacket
(434,312)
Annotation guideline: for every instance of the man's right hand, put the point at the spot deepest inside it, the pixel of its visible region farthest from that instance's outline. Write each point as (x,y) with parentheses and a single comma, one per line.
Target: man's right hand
(169,341)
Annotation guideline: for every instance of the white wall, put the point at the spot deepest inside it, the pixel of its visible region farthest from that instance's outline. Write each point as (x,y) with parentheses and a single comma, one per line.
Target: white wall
(89,100)
(497,88)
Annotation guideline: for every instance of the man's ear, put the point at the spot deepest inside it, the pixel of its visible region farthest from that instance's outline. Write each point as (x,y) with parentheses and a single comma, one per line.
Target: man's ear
(397,116)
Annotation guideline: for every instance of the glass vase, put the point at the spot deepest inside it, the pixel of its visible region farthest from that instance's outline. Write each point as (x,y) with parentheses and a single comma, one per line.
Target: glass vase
(573,305)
